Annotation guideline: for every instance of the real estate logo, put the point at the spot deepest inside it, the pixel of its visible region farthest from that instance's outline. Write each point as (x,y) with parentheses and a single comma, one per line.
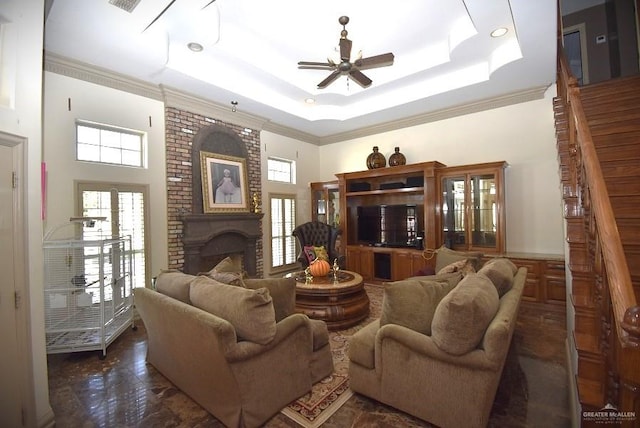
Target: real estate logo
(608,414)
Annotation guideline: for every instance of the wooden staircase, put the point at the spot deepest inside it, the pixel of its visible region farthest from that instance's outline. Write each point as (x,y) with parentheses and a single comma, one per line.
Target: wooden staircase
(613,114)
(598,139)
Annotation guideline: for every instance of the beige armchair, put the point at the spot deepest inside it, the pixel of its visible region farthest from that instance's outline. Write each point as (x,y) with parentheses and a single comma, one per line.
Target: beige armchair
(428,373)
(244,364)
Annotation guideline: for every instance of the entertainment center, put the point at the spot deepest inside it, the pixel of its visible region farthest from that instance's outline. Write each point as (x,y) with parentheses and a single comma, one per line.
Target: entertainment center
(389,216)
(392,218)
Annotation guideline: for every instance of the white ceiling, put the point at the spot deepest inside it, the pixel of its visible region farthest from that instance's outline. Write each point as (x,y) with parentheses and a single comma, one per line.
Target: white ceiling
(445,58)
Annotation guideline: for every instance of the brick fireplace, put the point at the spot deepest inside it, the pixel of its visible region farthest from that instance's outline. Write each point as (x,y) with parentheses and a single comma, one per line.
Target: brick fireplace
(230,233)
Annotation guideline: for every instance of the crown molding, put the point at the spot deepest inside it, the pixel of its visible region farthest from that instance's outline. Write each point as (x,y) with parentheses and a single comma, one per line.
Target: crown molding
(173,97)
(170,96)
(286,131)
(93,74)
(531,94)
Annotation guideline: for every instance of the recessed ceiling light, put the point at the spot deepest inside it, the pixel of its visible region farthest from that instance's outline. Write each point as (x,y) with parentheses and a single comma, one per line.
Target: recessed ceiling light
(310,100)
(499,32)
(195,47)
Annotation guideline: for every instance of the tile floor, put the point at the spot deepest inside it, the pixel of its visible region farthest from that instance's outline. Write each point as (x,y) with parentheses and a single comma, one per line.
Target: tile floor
(123,391)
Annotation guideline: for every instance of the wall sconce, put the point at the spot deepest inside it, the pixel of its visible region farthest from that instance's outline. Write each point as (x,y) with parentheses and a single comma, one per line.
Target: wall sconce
(234,106)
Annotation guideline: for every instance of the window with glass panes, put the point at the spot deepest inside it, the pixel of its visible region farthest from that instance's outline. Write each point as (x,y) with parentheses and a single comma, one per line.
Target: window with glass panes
(107,144)
(283,220)
(281,170)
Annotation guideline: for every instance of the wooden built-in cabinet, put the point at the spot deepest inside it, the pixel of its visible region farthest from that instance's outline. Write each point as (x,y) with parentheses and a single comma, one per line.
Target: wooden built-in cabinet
(472,207)
(325,202)
(362,192)
(546,279)
(379,264)
(387,216)
(393,218)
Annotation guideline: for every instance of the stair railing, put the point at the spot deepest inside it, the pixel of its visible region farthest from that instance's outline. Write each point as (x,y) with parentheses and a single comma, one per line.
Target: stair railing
(609,261)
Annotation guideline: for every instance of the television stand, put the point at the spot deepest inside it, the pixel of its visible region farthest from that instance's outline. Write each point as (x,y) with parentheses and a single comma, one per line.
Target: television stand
(410,211)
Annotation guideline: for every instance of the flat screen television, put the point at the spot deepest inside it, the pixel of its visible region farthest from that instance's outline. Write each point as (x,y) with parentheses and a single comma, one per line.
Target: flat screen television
(389,225)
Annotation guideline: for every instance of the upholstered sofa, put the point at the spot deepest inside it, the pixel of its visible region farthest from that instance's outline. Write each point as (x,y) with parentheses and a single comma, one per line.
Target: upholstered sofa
(239,351)
(439,348)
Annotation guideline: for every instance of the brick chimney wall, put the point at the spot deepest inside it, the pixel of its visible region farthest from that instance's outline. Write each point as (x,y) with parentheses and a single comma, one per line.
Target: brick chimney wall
(180,128)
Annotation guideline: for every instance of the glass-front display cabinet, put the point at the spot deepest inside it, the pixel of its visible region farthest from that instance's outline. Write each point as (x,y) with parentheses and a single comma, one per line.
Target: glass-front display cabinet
(472,207)
(325,202)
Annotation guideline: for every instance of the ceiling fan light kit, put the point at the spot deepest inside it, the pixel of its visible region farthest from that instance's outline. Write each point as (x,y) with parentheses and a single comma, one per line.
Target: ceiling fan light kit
(346,66)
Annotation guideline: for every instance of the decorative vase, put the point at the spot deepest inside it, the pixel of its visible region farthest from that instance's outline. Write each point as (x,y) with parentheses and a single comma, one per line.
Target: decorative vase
(376,159)
(397,158)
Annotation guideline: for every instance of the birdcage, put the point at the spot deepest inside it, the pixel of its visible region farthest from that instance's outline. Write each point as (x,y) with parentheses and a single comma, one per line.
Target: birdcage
(88,289)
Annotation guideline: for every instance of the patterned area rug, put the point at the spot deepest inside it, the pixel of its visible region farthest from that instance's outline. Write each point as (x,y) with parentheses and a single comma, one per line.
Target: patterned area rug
(328,395)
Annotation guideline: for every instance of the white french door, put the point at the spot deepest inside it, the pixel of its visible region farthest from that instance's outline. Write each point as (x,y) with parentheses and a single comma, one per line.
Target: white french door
(123,206)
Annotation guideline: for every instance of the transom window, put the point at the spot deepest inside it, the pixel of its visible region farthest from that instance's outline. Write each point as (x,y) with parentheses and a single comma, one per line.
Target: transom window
(108,144)
(281,170)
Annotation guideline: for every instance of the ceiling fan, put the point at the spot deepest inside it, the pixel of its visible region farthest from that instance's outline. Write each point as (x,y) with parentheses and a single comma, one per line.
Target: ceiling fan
(346,66)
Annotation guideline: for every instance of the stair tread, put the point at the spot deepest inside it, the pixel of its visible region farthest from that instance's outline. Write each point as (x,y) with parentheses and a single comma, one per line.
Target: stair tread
(619,86)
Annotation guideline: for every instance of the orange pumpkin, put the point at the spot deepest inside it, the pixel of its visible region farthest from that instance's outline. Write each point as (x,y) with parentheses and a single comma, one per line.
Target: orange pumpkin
(319,267)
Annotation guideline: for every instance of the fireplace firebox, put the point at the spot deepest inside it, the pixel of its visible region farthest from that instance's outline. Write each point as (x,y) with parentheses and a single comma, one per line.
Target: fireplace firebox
(207,238)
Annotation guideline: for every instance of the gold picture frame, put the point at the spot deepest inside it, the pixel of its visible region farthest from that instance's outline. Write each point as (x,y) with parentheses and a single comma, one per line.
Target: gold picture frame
(224,183)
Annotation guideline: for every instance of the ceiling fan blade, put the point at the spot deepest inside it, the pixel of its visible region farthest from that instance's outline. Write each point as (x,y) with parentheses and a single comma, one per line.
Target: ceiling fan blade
(315,67)
(161,13)
(314,64)
(383,60)
(360,78)
(345,49)
(333,76)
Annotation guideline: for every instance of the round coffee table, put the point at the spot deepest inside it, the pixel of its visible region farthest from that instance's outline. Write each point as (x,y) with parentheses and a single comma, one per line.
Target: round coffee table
(340,302)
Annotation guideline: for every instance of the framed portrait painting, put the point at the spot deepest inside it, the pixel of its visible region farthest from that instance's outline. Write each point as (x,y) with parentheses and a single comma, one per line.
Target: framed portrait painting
(224,183)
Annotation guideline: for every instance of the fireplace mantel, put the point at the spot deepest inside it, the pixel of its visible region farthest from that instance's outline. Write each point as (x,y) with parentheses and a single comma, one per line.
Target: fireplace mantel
(209,235)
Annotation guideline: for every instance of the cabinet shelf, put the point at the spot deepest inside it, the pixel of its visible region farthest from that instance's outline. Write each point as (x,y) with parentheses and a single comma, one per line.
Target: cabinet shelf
(387,191)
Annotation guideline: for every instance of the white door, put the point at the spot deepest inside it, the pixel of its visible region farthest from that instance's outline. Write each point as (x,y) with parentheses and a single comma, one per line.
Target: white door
(10,367)
(123,206)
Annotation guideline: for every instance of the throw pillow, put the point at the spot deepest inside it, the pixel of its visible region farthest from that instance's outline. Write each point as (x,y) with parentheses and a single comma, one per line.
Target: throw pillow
(228,271)
(452,278)
(464,266)
(321,253)
(229,264)
(174,284)
(500,271)
(412,303)
(463,315)
(309,252)
(250,312)
(282,292)
(446,256)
